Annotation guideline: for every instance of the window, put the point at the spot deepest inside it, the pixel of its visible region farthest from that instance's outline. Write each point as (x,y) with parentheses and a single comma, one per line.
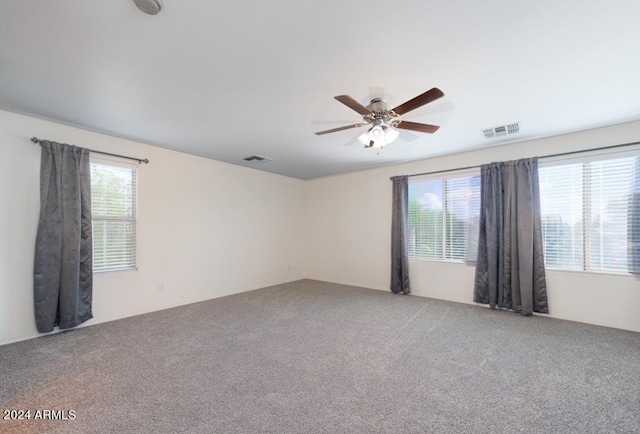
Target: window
(444,217)
(113,208)
(584,206)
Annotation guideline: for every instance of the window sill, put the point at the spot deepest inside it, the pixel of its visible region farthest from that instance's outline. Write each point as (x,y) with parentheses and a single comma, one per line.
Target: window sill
(598,273)
(444,261)
(117,270)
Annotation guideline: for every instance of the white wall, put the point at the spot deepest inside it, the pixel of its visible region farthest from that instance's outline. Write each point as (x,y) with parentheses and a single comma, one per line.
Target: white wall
(209,229)
(350,221)
(206,229)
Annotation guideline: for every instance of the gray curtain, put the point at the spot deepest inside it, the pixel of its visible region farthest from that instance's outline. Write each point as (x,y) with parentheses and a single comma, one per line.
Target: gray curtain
(510,265)
(399,253)
(633,223)
(63,263)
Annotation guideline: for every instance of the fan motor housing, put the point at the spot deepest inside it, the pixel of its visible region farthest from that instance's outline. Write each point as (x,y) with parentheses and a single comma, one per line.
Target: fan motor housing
(381,112)
(379,105)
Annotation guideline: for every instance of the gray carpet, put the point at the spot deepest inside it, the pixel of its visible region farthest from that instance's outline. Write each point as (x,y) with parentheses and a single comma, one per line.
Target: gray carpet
(314,357)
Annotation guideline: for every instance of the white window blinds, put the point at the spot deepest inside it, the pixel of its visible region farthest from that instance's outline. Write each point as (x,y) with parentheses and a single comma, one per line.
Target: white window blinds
(561,203)
(444,218)
(114,214)
(585,213)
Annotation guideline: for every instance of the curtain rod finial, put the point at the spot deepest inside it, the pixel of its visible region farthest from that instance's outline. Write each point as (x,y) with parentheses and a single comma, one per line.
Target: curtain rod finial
(35,140)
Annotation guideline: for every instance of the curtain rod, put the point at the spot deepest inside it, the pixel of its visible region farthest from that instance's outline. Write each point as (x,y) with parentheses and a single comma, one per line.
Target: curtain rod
(139,160)
(561,154)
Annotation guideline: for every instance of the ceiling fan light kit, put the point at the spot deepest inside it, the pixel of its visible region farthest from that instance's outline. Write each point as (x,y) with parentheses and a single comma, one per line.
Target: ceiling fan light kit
(385,120)
(378,136)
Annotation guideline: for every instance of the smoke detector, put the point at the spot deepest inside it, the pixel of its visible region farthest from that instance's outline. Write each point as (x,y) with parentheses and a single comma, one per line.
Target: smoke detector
(501,130)
(151,7)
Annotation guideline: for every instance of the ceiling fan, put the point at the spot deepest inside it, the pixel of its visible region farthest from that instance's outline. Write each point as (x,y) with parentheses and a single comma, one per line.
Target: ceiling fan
(384,120)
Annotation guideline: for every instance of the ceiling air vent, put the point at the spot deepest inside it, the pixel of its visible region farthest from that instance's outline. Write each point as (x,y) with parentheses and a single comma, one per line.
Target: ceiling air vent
(258,158)
(501,130)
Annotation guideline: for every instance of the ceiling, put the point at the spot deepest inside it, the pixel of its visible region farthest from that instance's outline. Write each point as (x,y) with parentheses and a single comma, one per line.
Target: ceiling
(227,80)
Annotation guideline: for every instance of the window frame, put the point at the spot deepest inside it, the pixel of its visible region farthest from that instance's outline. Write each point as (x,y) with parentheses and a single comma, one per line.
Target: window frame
(444,177)
(594,156)
(106,161)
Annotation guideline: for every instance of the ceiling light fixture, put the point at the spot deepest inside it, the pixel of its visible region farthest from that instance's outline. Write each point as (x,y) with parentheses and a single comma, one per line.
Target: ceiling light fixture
(151,7)
(384,120)
(378,136)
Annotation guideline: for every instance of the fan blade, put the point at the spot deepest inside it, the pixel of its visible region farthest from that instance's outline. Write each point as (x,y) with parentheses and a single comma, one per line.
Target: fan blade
(353,104)
(419,101)
(415,126)
(333,130)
